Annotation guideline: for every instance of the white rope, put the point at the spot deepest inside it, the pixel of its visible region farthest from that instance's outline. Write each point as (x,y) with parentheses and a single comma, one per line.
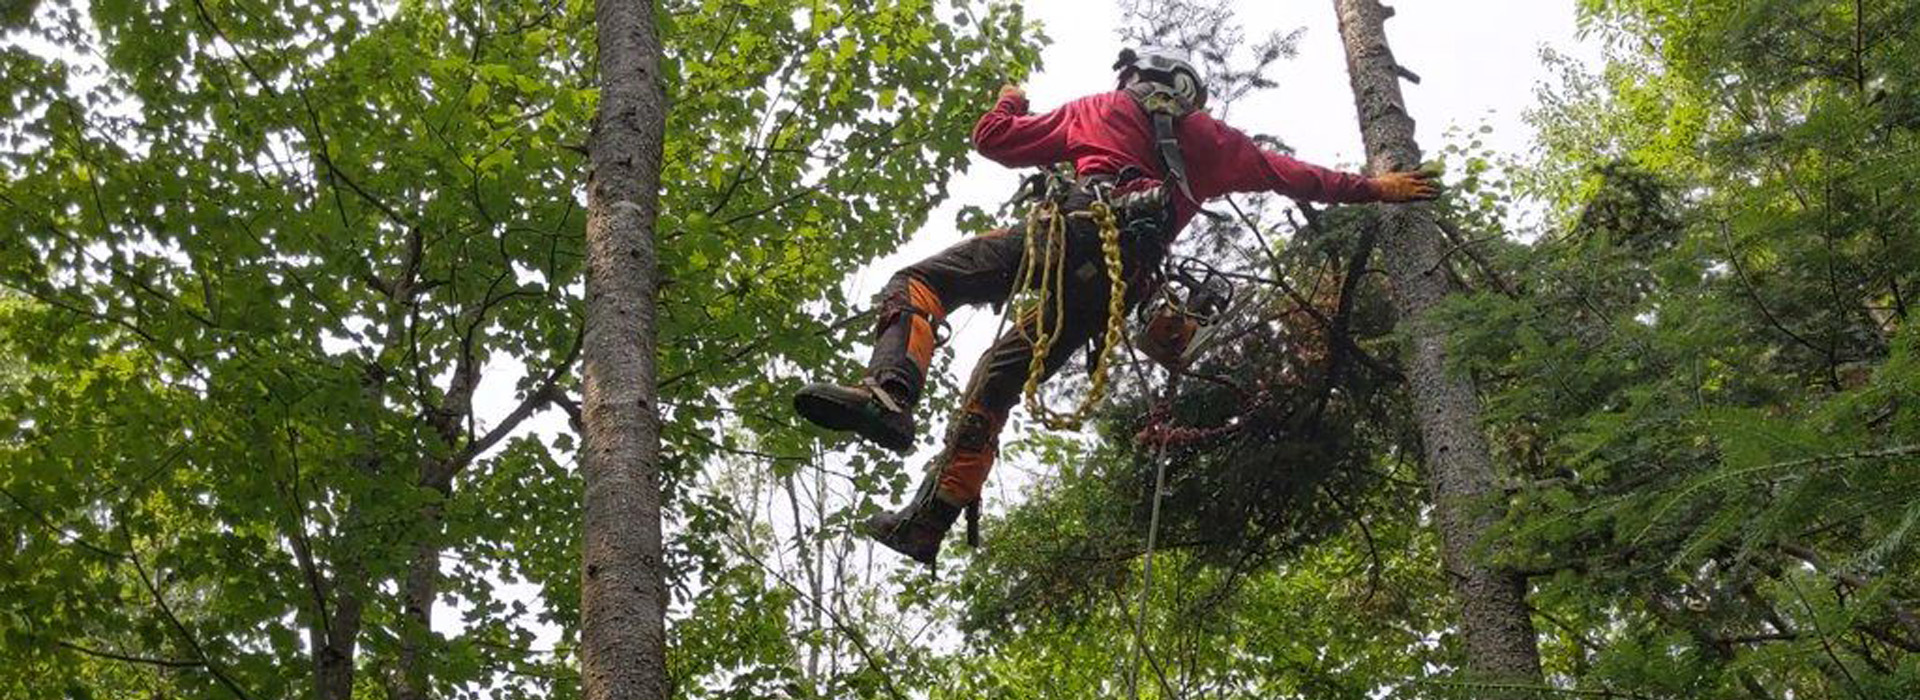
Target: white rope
(1146,574)
(1153,540)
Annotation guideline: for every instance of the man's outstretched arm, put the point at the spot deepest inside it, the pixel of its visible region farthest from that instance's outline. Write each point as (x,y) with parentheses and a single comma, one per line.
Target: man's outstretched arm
(1246,167)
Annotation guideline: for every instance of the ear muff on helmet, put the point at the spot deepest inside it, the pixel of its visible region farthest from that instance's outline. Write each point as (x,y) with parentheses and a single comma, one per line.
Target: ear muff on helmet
(1188,88)
(1163,66)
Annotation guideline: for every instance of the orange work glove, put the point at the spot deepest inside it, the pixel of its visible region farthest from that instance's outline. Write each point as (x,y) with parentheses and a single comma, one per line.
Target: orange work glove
(1011,90)
(1405,186)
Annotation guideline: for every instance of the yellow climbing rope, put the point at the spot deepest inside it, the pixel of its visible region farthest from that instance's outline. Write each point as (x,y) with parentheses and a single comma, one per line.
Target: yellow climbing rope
(1043,270)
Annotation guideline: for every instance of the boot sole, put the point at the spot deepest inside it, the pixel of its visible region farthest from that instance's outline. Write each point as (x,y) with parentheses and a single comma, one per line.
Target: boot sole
(835,415)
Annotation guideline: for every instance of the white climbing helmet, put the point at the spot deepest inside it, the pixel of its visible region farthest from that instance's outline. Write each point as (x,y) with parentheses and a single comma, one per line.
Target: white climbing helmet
(1166,66)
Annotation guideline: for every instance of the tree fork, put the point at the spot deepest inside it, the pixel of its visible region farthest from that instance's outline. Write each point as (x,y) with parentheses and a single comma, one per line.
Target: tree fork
(1494,620)
(623,595)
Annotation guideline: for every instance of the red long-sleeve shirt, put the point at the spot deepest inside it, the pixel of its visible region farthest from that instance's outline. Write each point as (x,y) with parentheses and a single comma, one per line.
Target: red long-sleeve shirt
(1105,133)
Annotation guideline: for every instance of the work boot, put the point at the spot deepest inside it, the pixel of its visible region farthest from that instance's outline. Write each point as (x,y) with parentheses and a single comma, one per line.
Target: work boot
(867,409)
(917,529)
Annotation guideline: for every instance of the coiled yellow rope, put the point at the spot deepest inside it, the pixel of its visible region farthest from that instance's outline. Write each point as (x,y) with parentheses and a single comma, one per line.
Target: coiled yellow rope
(1043,270)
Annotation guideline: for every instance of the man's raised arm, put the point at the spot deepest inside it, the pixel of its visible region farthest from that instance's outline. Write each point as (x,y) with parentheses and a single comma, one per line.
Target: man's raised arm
(1009,136)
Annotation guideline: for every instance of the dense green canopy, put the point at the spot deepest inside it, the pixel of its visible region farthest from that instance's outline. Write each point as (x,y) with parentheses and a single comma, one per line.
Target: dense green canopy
(290,300)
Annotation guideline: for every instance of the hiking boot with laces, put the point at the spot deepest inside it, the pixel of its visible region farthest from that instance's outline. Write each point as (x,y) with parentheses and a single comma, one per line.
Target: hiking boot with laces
(866,409)
(918,528)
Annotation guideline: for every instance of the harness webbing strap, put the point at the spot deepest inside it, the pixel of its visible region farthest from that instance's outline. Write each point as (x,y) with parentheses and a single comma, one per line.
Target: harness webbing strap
(1167,142)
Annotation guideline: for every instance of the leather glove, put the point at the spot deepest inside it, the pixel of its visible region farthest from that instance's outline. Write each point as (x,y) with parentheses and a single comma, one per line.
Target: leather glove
(1410,186)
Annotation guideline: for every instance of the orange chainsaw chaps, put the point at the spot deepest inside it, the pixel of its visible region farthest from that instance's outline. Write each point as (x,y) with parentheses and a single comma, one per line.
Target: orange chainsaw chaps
(970,454)
(921,338)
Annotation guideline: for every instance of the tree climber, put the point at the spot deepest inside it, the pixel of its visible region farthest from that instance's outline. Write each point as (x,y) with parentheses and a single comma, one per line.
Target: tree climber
(1145,145)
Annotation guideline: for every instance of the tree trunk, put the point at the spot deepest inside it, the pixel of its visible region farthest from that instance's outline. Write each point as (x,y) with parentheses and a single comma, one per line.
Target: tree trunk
(417,593)
(1494,618)
(422,584)
(338,602)
(334,632)
(333,647)
(622,590)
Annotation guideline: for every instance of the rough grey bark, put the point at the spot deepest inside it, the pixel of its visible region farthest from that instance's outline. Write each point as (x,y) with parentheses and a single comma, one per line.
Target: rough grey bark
(1494,619)
(623,596)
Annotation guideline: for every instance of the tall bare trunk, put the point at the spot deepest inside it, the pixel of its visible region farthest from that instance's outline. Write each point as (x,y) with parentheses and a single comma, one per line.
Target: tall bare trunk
(622,592)
(1494,618)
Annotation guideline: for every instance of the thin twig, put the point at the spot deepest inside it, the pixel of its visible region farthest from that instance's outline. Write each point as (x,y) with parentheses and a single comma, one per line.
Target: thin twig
(858,639)
(1740,271)
(179,628)
(144,660)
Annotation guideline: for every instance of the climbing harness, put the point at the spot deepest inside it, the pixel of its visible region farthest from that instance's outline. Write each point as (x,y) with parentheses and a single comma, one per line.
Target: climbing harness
(1043,271)
(1169,88)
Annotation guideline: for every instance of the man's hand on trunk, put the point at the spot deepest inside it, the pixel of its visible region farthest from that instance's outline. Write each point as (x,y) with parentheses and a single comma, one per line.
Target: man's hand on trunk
(1411,186)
